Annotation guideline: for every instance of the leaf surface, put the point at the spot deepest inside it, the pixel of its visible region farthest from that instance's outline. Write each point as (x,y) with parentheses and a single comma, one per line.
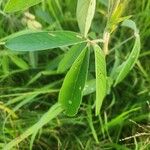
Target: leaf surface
(71,93)
(44,40)
(17,5)
(85,13)
(122,70)
(125,68)
(101,77)
(70,57)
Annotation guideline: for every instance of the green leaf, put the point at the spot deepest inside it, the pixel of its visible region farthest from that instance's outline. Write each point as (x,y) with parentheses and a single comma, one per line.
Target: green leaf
(85,13)
(44,40)
(123,69)
(130,24)
(17,5)
(13,35)
(101,77)
(119,72)
(70,57)
(71,93)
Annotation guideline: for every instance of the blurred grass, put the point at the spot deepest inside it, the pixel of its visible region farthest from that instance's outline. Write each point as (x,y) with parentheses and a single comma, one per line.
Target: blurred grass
(26,93)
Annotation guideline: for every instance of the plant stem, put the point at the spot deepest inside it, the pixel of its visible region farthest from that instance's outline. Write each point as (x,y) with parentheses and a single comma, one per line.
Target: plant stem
(106,38)
(33,59)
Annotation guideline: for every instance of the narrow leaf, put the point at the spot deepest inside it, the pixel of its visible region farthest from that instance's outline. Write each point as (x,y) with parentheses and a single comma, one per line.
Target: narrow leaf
(101,77)
(130,24)
(19,62)
(85,14)
(17,5)
(70,57)
(124,69)
(5,64)
(43,40)
(91,123)
(71,93)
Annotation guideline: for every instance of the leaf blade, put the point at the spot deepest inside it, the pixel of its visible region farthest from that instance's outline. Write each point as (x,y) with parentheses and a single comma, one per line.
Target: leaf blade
(85,13)
(124,68)
(70,57)
(17,5)
(70,95)
(101,77)
(43,40)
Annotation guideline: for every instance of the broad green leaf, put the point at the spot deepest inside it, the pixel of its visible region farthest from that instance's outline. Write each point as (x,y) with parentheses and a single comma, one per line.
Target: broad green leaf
(43,40)
(71,93)
(17,34)
(70,57)
(17,5)
(85,13)
(101,77)
(123,69)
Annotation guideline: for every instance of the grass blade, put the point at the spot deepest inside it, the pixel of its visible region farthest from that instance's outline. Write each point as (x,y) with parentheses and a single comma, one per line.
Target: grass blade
(53,112)
(19,62)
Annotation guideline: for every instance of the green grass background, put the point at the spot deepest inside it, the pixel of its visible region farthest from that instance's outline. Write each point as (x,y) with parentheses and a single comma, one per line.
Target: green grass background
(28,90)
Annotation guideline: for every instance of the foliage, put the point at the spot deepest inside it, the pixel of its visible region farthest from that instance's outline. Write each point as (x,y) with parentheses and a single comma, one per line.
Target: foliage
(91,62)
